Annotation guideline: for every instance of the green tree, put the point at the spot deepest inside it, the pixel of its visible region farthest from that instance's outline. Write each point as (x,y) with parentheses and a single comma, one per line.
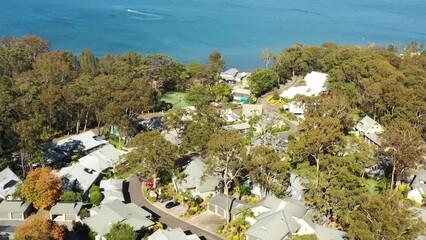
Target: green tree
(226,154)
(121,231)
(214,67)
(404,149)
(88,63)
(320,136)
(96,196)
(385,216)
(292,61)
(151,155)
(70,196)
(267,169)
(261,81)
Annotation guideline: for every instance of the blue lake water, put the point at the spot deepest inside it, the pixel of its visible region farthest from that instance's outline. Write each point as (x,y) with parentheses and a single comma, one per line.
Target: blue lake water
(188,30)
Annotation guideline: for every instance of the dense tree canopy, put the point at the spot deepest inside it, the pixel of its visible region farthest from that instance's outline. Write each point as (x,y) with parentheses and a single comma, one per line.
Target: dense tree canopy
(121,231)
(42,188)
(38,227)
(262,81)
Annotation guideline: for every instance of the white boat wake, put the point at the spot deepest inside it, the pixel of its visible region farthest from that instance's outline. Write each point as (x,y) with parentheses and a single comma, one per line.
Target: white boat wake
(149,16)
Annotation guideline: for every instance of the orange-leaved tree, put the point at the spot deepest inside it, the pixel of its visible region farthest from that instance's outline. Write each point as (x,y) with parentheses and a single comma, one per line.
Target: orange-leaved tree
(42,188)
(38,227)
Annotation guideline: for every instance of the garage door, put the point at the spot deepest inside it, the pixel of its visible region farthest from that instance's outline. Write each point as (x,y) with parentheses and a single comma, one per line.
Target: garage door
(211,208)
(4,215)
(69,217)
(17,216)
(220,211)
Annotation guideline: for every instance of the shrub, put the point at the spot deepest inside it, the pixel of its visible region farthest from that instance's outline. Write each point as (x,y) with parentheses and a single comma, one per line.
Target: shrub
(195,209)
(291,138)
(94,188)
(70,196)
(220,228)
(152,199)
(96,197)
(191,212)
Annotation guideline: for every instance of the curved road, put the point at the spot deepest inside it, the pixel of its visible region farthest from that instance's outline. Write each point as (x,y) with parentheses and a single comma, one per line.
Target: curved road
(136,196)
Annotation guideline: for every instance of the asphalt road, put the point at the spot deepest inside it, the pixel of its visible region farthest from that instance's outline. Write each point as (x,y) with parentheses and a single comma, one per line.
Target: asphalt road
(136,196)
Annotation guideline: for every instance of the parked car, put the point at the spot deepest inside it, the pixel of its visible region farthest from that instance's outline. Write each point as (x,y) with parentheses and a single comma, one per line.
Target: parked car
(172,204)
(165,199)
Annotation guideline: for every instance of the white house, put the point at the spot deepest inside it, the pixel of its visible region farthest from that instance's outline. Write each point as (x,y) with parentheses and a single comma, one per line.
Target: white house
(82,142)
(370,129)
(112,189)
(8,183)
(297,108)
(418,187)
(78,178)
(252,110)
(65,211)
(172,234)
(105,157)
(315,84)
(241,94)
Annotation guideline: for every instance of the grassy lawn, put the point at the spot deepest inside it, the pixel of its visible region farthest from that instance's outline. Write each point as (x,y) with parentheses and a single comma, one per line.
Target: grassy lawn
(177,99)
(280,102)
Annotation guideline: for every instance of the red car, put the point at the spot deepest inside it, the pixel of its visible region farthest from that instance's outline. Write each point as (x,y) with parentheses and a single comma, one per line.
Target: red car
(149,184)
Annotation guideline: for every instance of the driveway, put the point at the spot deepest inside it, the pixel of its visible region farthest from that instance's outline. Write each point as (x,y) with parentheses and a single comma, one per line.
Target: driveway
(136,196)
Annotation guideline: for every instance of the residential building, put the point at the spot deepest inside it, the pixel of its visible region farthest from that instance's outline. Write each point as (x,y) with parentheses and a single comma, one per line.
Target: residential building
(78,178)
(82,142)
(104,216)
(15,210)
(172,234)
(241,94)
(418,187)
(104,158)
(296,190)
(315,84)
(252,110)
(229,116)
(370,129)
(276,219)
(219,205)
(8,183)
(296,108)
(195,182)
(232,76)
(65,211)
(112,189)
(241,127)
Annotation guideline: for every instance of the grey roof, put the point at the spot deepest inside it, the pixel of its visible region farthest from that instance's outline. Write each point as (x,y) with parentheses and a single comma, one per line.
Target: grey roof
(289,207)
(101,159)
(234,204)
(77,177)
(14,206)
(112,190)
(422,212)
(250,110)
(81,142)
(66,208)
(274,227)
(374,138)
(238,127)
(419,180)
(107,214)
(365,124)
(296,189)
(230,72)
(241,91)
(172,234)
(194,177)
(325,233)
(8,182)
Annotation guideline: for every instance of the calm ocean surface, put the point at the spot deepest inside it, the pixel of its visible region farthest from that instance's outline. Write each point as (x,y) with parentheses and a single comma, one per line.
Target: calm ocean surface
(188,30)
